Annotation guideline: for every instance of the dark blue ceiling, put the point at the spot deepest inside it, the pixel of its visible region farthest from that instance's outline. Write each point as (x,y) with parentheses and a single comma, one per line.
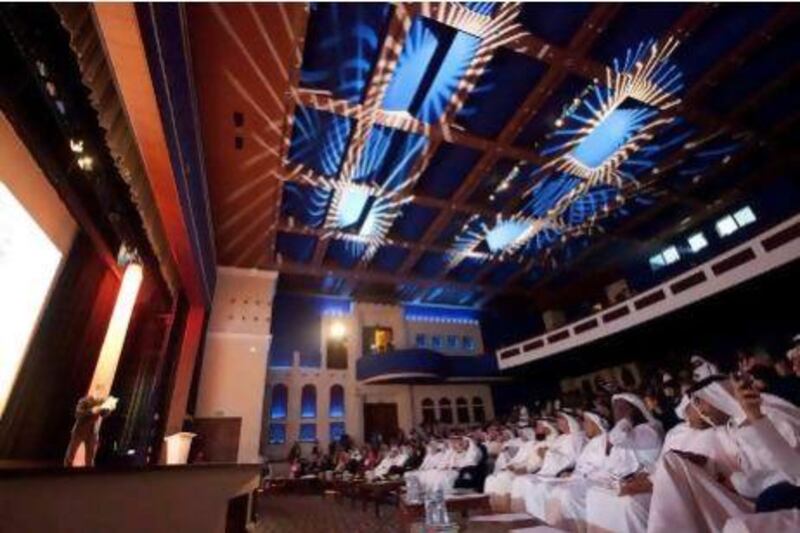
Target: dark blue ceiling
(343,43)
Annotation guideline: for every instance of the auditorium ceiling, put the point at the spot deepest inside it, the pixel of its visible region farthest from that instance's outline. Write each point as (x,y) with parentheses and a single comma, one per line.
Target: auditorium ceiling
(451,153)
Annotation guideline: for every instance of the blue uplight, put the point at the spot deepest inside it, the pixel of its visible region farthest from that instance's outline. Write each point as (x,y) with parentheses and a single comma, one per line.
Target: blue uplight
(505,233)
(351,206)
(607,137)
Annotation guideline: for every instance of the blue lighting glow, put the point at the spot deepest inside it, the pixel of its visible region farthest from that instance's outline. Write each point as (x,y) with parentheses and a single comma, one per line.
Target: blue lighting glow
(351,206)
(432,313)
(505,233)
(417,54)
(608,136)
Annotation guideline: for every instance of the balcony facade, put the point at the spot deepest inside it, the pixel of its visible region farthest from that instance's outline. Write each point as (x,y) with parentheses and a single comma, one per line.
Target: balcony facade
(418,366)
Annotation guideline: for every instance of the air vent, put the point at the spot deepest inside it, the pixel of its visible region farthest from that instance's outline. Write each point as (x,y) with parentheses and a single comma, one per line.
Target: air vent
(782,237)
(238,119)
(586,326)
(688,282)
(650,299)
(615,314)
(733,261)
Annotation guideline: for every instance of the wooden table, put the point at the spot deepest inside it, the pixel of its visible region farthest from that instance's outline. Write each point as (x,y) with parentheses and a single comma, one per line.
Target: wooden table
(378,492)
(411,512)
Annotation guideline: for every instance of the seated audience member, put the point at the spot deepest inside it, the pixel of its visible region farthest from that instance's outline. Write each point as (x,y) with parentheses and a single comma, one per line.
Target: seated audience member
(546,435)
(565,500)
(523,456)
(462,452)
(472,477)
(766,378)
(396,457)
(621,504)
(559,460)
(695,493)
(793,355)
(435,452)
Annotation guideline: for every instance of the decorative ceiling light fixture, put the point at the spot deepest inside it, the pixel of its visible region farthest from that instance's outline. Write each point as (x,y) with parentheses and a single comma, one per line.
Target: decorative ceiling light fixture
(614,121)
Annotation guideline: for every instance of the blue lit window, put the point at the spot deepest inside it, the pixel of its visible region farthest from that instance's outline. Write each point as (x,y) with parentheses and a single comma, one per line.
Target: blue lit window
(308,433)
(468,343)
(665,257)
(277,408)
(744,216)
(731,223)
(697,242)
(726,225)
(337,430)
(436,341)
(277,433)
(337,402)
(452,341)
(421,341)
(308,402)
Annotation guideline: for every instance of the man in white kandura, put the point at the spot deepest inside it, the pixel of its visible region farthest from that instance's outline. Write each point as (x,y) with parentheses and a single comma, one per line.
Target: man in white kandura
(559,460)
(548,433)
(759,434)
(635,441)
(565,506)
(513,453)
(464,453)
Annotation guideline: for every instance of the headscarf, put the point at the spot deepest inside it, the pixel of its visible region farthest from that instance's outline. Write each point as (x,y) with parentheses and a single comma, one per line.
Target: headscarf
(572,422)
(600,421)
(702,368)
(638,403)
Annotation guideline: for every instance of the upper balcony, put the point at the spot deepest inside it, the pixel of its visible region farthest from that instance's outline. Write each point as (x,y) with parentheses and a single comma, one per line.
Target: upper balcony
(425,366)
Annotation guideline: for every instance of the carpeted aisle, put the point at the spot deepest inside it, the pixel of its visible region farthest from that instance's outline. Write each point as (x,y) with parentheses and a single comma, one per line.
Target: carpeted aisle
(312,514)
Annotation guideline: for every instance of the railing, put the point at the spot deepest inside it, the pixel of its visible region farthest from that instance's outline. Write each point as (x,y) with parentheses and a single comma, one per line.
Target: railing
(769,250)
(403,366)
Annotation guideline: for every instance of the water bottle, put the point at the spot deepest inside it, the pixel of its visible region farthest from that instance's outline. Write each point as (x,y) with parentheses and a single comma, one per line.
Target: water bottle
(442,517)
(430,519)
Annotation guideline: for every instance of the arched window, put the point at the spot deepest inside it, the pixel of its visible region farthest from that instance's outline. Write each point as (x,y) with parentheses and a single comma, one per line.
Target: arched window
(445,411)
(308,402)
(462,411)
(277,405)
(428,411)
(336,409)
(478,413)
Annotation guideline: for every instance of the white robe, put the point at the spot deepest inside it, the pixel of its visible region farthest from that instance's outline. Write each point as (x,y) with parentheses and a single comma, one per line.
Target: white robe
(500,481)
(762,453)
(566,499)
(446,473)
(634,449)
(689,497)
(562,455)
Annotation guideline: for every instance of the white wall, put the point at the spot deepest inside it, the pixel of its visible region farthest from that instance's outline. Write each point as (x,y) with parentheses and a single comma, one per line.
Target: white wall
(407,398)
(234,371)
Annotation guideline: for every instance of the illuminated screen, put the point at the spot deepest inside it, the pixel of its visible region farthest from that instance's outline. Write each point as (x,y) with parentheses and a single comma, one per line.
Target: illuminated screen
(28,263)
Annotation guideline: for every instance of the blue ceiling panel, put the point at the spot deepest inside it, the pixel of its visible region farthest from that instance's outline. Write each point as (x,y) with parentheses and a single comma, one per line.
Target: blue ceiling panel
(388,156)
(342,45)
(776,108)
(453,228)
(449,296)
(499,274)
(481,8)
(634,23)
(344,253)
(546,194)
(431,264)
(319,139)
(389,258)
(466,270)
(762,67)
(592,203)
(413,222)
(500,92)
(555,22)
(543,121)
(307,205)
(718,35)
(433,61)
(296,247)
(446,170)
